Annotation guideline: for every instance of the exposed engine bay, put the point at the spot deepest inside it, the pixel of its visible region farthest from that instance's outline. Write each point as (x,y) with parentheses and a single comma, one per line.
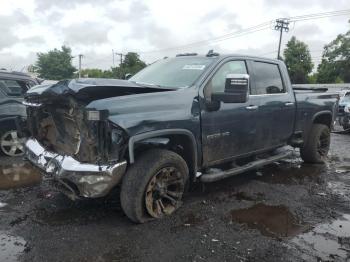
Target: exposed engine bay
(68,128)
(59,119)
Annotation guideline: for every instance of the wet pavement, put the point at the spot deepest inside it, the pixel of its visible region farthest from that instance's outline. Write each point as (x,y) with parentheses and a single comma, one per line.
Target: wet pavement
(287,211)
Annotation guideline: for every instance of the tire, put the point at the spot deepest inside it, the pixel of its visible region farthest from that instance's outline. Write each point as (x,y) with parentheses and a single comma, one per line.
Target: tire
(316,148)
(152,183)
(11,144)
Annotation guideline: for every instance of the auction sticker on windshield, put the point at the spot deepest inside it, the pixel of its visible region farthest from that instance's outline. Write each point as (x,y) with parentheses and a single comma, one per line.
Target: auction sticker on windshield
(193,67)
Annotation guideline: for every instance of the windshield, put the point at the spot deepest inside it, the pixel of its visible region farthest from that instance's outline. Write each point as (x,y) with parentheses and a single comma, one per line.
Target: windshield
(345,99)
(173,72)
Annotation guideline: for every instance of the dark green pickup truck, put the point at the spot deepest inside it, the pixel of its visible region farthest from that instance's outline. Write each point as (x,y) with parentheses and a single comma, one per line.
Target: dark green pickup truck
(182,119)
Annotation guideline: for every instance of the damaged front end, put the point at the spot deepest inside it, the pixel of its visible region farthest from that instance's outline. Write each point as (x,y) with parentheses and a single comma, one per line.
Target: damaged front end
(74,178)
(78,146)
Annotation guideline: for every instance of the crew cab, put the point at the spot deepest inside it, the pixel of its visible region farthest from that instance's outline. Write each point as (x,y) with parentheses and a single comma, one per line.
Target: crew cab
(179,120)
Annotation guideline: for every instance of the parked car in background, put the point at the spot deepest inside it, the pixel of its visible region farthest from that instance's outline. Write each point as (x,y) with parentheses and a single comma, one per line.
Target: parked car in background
(344,104)
(13,86)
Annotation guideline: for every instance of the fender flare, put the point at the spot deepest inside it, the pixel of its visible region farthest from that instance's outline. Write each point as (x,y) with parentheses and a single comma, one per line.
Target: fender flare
(324,112)
(139,137)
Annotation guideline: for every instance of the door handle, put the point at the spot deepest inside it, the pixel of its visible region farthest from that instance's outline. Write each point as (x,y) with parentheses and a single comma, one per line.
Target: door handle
(289,104)
(252,107)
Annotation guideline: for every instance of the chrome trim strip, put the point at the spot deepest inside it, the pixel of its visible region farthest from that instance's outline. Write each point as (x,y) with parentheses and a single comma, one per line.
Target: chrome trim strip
(31,104)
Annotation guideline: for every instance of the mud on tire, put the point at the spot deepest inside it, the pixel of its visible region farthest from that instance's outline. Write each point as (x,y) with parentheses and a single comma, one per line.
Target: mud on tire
(316,147)
(154,185)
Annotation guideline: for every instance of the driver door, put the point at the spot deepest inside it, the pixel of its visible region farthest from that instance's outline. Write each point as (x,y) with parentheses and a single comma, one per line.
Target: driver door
(228,129)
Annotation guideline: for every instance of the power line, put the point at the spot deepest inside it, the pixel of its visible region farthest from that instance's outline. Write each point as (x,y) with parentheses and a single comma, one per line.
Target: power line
(253,29)
(238,33)
(319,15)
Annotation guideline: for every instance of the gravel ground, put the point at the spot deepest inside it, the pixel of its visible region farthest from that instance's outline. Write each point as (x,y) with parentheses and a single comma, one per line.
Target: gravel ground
(288,211)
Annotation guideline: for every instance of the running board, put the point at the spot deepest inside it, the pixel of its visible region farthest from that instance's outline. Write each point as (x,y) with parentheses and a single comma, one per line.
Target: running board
(212,177)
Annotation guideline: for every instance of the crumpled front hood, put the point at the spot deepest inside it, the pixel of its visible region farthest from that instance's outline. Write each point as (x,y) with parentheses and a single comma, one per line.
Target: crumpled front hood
(86,89)
(144,112)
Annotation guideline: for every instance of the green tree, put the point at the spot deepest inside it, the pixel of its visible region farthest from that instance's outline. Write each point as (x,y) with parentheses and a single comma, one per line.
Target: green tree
(131,65)
(98,73)
(335,65)
(298,61)
(312,79)
(55,64)
(92,73)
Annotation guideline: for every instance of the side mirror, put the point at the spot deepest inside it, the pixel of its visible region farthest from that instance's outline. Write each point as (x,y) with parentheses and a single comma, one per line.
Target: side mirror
(127,76)
(236,89)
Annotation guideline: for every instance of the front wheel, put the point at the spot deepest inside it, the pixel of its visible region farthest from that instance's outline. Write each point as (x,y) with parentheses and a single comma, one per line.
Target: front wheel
(316,148)
(153,186)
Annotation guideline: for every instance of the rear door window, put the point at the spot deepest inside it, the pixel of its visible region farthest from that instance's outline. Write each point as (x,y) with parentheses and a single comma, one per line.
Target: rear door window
(15,88)
(268,79)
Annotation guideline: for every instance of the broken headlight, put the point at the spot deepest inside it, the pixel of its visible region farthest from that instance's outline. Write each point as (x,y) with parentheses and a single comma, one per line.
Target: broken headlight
(118,142)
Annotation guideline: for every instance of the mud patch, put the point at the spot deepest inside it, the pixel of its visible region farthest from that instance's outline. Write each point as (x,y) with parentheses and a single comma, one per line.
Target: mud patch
(118,254)
(190,219)
(327,241)
(291,174)
(11,247)
(18,175)
(272,221)
(340,188)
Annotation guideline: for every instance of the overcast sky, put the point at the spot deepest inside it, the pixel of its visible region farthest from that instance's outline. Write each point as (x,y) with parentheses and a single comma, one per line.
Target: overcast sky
(94,28)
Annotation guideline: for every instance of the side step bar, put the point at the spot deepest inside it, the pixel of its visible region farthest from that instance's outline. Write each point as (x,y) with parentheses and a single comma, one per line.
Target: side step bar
(212,177)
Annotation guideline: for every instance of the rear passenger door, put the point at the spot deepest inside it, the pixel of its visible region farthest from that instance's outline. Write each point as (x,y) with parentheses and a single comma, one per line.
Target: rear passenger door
(277,105)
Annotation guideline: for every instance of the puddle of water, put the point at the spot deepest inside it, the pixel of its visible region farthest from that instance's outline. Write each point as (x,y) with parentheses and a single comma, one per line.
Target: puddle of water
(283,173)
(327,241)
(11,247)
(18,175)
(272,221)
(340,188)
(342,169)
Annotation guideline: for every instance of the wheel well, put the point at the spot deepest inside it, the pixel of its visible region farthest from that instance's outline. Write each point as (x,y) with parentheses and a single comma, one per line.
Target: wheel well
(178,143)
(7,125)
(325,119)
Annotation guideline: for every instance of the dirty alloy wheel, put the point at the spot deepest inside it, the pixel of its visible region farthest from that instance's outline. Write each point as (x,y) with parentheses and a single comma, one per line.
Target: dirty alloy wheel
(12,144)
(154,185)
(164,192)
(316,148)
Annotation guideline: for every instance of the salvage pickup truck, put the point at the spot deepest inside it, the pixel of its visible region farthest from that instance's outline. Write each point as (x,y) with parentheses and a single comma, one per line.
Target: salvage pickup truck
(179,120)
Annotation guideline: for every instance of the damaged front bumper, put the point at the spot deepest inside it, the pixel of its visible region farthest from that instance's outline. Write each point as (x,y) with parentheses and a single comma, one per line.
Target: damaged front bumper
(74,178)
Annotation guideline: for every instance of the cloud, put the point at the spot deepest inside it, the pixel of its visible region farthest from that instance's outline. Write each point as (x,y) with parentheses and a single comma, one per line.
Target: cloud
(88,33)
(302,4)
(8,26)
(94,28)
(43,5)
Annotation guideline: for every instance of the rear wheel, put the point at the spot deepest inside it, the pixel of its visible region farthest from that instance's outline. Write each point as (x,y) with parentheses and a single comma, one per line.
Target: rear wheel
(316,148)
(153,187)
(11,143)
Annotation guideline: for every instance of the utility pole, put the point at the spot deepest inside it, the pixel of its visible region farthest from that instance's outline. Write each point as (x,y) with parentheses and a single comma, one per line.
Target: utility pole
(121,58)
(120,65)
(113,57)
(281,25)
(80,57)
